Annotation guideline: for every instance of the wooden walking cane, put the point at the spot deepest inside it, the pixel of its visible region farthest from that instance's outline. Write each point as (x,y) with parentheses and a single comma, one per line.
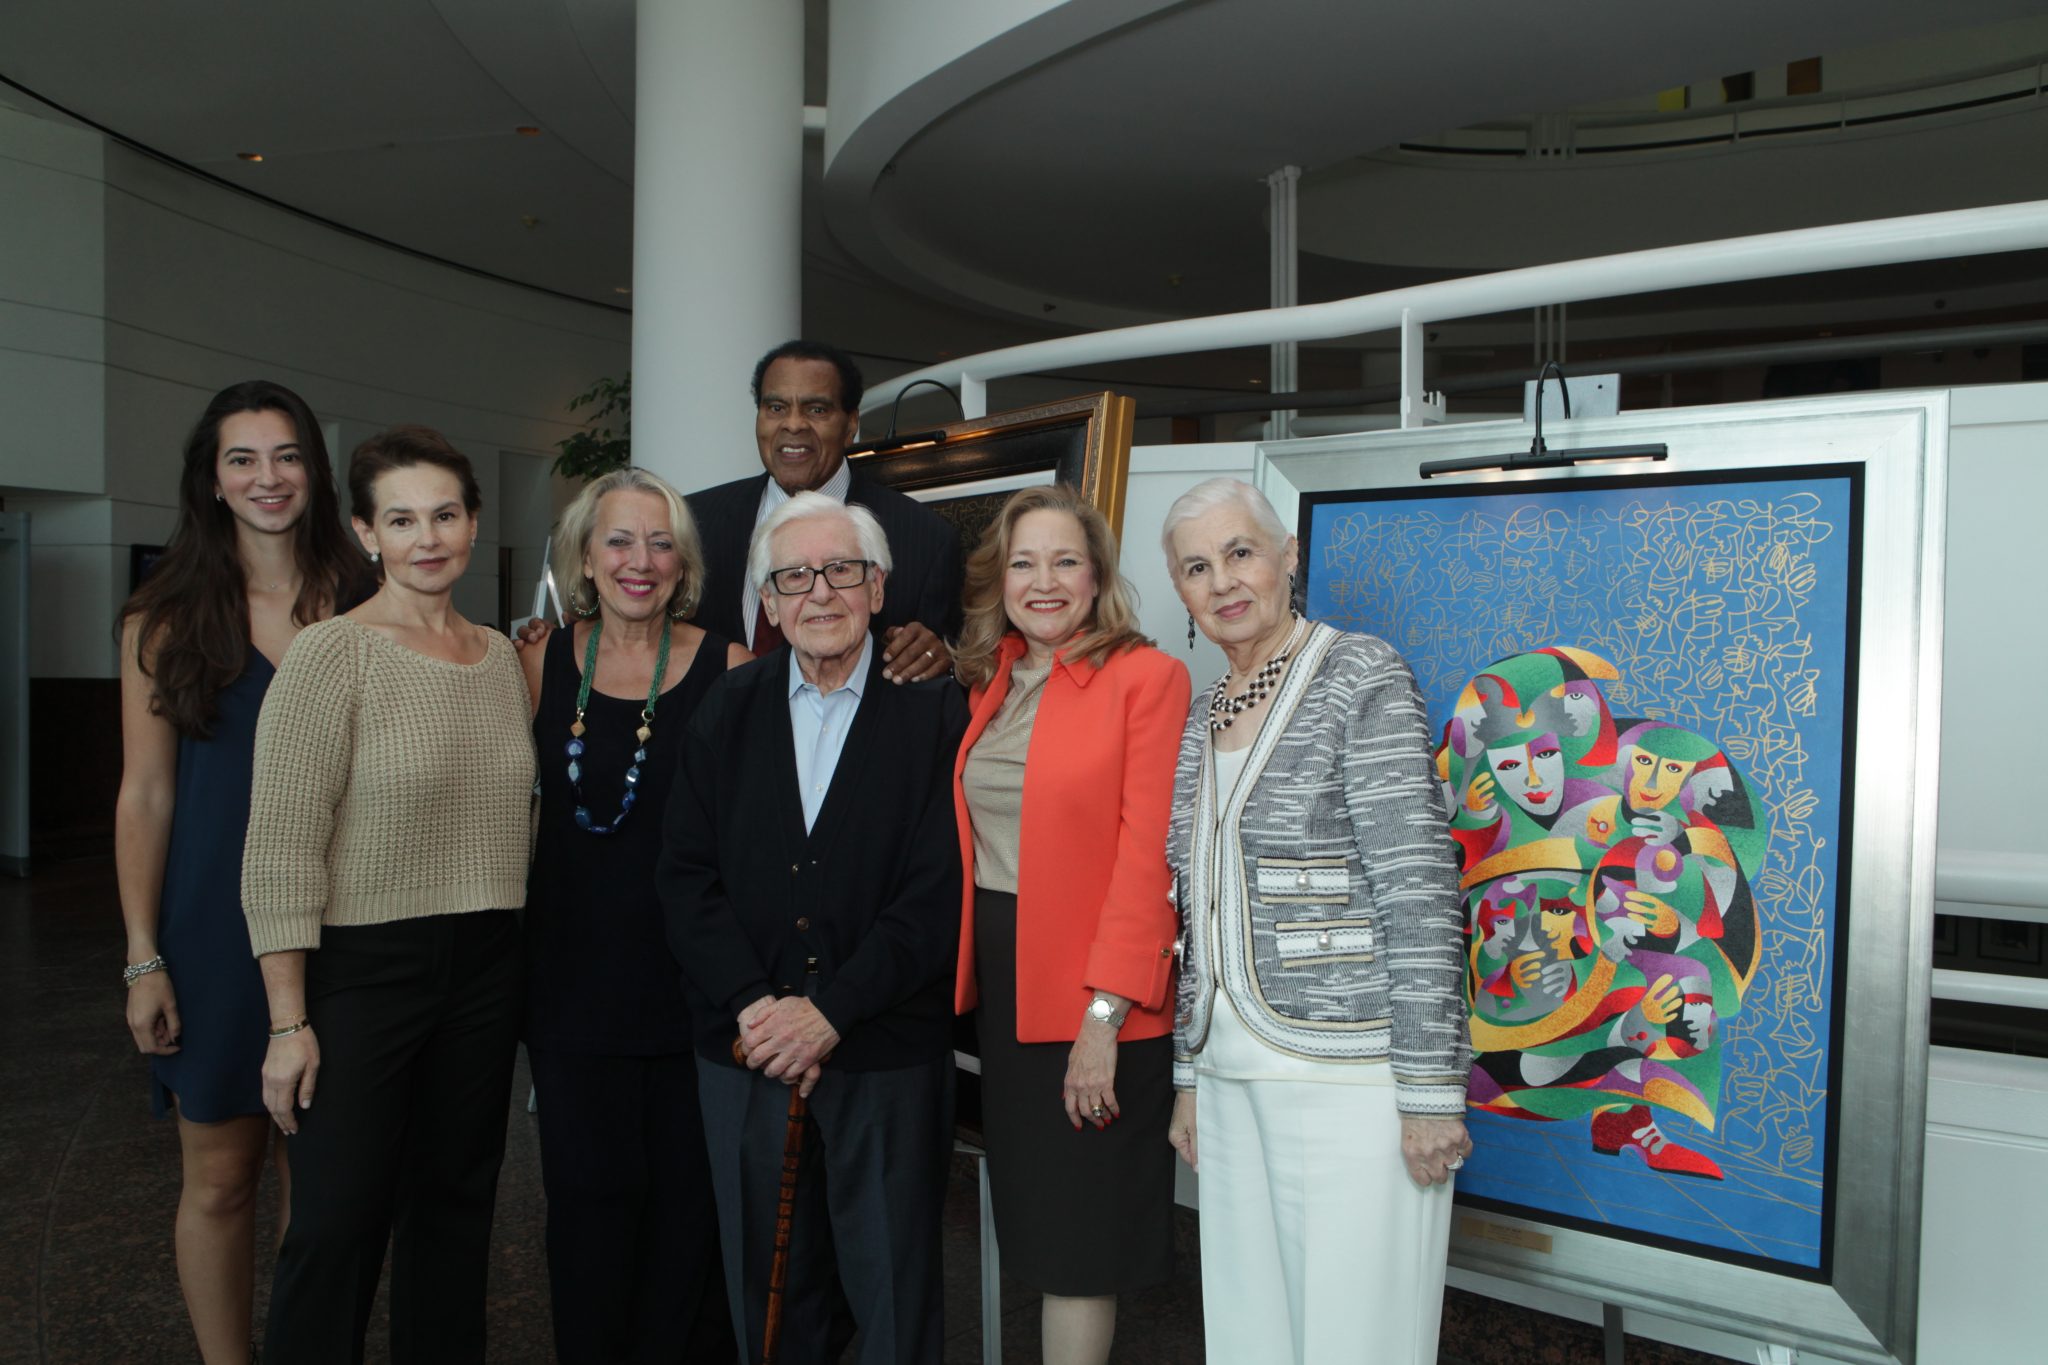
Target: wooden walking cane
(785,1215)
(785,1211)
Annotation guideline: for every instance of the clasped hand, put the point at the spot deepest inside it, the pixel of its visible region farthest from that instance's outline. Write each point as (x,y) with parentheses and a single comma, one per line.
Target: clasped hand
(786,1040)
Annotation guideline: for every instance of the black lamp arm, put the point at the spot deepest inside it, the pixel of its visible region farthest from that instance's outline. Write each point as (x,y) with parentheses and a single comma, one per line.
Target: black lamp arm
(897,406)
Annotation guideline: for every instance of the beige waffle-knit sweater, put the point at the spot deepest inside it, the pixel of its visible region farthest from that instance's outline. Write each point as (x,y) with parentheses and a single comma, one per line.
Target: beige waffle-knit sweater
(389,785)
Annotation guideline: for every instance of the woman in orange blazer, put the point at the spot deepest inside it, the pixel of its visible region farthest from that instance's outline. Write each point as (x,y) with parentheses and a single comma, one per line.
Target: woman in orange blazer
(1063,788)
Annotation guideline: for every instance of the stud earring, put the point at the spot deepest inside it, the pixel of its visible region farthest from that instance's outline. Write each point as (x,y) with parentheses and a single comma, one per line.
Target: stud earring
(1191,630)
(374,556)
(218,498)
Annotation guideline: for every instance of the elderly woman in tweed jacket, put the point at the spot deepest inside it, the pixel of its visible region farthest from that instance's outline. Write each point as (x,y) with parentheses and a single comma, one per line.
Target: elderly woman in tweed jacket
(1320,1031)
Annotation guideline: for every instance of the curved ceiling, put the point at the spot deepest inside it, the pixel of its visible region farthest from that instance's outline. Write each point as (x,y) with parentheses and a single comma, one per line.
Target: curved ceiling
(390,117)
(1145,152)
(1140,153)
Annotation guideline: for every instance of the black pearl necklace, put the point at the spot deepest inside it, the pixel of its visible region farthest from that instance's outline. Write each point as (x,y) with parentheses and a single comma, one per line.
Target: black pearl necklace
(1223,708)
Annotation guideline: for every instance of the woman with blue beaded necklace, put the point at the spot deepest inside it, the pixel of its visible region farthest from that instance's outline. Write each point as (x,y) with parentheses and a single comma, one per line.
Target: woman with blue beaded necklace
(632,1232)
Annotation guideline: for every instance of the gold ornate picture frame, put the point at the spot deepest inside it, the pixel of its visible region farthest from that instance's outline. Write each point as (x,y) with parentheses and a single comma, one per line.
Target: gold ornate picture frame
(966,469)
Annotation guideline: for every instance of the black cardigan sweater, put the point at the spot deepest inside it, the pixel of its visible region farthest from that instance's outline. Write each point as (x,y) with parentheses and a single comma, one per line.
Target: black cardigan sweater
(872,891)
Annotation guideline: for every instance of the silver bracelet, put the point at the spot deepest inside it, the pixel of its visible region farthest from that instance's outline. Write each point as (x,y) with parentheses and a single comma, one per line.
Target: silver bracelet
(134,972)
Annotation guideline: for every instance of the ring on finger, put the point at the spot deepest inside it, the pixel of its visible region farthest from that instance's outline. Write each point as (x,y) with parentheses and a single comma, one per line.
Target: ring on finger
(1455,1162)
(1098,1111)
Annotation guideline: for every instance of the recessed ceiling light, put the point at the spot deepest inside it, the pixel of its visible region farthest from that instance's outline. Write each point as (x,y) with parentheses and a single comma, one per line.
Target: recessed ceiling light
(250,156)
(527,130)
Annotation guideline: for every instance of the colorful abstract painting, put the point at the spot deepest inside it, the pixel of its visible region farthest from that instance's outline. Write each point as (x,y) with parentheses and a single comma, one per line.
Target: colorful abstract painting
(1643,694)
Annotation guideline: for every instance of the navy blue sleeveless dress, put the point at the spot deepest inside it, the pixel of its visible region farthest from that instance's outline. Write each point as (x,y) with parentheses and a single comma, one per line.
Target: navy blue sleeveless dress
(217,1073)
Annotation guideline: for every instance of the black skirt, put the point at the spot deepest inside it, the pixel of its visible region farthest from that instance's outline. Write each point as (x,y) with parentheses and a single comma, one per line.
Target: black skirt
(1077,1214)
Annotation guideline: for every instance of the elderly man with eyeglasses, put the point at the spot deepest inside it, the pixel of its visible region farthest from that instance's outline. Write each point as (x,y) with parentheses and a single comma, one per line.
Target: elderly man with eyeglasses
(811,879)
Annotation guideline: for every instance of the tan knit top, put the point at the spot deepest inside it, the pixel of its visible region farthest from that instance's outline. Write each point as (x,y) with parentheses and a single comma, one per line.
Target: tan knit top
(992,779)
(389,785)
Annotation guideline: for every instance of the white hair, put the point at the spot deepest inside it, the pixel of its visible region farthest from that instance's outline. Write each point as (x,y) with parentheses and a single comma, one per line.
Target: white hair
(1206,497)
(808,506)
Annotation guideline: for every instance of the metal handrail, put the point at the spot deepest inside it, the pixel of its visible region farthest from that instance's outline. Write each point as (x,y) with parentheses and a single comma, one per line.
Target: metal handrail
(1843,246)
(1991,988)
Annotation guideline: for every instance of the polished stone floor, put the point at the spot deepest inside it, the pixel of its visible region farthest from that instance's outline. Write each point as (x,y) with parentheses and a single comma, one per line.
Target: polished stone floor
(89,1182)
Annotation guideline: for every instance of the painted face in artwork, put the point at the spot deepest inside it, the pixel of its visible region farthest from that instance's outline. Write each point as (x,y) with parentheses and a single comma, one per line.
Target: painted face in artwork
(1653,782)
(1560,920)
(1581,707)
(1530,775)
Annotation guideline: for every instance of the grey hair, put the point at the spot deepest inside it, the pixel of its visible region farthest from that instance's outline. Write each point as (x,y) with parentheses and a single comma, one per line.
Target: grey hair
(1206,497)
(579,524)
(805,506)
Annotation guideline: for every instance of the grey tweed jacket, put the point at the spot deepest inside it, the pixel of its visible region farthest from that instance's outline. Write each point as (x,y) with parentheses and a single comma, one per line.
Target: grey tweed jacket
(1331,878)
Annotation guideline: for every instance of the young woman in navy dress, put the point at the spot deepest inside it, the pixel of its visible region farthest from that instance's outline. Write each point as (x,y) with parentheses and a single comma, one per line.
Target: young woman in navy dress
(258,552)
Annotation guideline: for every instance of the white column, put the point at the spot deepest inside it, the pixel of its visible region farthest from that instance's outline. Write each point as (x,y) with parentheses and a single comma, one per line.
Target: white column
(1284,371)
(717,224)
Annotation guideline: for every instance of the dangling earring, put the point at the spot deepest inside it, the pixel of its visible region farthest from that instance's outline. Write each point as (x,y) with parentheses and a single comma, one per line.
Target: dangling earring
(1191,630)
(1293,602)
(576,605)
(374,556)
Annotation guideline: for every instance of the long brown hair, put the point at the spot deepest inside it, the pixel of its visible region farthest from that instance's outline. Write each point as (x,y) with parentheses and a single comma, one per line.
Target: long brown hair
(1111,630)
(194,606)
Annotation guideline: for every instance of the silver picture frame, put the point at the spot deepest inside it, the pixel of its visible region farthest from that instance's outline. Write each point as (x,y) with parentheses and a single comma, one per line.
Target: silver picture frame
(1864,1307)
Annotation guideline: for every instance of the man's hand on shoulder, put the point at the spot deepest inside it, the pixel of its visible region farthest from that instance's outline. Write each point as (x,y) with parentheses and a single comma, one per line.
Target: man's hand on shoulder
(534,632)
(913,653)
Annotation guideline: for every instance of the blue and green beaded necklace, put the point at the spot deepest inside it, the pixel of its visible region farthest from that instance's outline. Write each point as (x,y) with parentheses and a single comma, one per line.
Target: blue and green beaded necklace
(646,730)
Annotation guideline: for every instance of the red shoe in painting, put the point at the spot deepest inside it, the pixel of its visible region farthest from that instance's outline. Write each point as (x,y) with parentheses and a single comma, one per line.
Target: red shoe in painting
(1617,1130)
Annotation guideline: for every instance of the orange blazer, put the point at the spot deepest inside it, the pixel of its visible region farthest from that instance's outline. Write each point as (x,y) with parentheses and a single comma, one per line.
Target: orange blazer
(1093,906)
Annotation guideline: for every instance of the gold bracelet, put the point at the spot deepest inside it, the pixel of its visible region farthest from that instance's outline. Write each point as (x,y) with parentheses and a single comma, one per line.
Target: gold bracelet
(289,1029)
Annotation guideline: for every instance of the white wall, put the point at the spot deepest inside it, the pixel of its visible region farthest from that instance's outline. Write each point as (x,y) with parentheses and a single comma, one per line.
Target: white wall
(130,292)
(52,305)
(1993,642)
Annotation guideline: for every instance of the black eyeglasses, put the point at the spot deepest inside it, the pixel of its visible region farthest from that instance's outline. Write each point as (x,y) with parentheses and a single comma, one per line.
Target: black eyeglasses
(840,573)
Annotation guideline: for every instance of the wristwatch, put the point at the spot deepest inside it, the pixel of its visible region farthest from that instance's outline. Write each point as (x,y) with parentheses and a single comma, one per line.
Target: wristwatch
(1103,1012)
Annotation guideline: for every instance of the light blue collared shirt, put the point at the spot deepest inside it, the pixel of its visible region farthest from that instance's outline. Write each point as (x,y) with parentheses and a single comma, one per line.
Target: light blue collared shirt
(818,722)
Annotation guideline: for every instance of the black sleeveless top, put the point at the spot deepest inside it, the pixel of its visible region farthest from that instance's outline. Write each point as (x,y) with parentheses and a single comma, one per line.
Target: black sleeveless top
(600,979)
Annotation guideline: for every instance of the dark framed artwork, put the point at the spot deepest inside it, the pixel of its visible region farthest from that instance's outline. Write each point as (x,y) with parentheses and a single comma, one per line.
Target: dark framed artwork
(1945,937)
(965,470)
(141,560)
(2009,941)
(1693,915)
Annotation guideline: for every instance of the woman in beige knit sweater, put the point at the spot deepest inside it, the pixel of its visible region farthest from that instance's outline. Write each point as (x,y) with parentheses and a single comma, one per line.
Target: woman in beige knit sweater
(385,857)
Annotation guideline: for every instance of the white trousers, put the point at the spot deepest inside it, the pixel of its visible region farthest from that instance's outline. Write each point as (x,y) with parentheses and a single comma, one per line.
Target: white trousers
(1316,1246)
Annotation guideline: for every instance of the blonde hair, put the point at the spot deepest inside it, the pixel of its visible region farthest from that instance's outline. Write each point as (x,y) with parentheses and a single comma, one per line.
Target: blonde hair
(579,523)
(1111,629)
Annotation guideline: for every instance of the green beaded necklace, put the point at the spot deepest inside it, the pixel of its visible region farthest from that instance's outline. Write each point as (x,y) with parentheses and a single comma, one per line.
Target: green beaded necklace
(646,731)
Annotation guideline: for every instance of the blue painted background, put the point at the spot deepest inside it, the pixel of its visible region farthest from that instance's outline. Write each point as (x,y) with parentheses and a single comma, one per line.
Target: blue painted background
(1728,608)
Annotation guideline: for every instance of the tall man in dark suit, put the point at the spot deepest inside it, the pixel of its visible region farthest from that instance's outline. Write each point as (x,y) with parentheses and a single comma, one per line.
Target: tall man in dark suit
(811,877)
(806,410)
